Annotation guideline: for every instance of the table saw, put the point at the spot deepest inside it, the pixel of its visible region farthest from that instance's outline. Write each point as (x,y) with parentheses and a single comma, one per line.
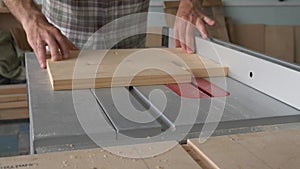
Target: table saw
(259,90)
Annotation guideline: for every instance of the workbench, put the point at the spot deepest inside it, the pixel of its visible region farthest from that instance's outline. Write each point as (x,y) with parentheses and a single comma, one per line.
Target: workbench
(56,126)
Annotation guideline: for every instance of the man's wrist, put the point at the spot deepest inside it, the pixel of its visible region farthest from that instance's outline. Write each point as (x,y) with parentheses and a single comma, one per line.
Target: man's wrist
(24,10)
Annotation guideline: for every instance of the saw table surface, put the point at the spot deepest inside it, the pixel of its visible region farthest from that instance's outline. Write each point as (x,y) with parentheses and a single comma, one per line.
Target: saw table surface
(54,124)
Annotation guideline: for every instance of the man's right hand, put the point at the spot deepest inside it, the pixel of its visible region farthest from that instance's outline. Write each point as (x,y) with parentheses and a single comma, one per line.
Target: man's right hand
(40,33)
(188,17)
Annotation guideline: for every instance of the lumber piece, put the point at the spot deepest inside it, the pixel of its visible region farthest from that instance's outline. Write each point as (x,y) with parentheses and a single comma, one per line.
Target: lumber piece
(101,158)
(211,3)
(173,156)
(251,36)
(297,44)
(280,42)
(13,105)
(125,67)
(14,114)
(272,149)
(171,4)
(154,37)
(13,89)
(13,98)
(219,30)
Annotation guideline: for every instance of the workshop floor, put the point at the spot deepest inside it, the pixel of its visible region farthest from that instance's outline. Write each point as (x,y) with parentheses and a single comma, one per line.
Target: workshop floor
(14,138)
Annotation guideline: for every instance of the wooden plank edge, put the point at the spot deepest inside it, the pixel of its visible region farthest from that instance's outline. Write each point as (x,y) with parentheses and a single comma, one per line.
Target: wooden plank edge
(50,75)
(171,4)
(92,83)
(13,98)
(14,114)
(13,105)
(13,89)
(201,156)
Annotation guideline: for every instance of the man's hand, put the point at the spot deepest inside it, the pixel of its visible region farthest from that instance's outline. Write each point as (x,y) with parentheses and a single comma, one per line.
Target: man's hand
(190,15)
(40,33)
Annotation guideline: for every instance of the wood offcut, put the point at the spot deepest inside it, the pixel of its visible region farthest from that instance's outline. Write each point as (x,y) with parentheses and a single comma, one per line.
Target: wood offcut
(174,158)
(13,102)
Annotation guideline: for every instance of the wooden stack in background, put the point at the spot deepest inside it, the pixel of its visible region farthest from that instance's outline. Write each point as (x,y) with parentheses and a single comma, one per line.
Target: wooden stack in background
(13,102)
(297,44)
(278,41)
(214,10)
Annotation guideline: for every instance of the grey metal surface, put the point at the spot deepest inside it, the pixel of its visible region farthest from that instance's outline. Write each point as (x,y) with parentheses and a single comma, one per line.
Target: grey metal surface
(132,121)
(244,107)
(53,120)
(55,126)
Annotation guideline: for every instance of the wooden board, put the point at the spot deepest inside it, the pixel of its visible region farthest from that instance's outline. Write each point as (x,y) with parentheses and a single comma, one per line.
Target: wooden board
(126,67)
(229,27)
(251,36)
(275,149)
(280,42)
(154,37)
(13,89)
(13,105)
(171,4)
(219,30)
(175,158)
(297,44)
(13,102)
(210,3)
(13,98)
(14,114)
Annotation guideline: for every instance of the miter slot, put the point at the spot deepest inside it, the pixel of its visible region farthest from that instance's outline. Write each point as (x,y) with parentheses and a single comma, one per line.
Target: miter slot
(127,114)
(156,113)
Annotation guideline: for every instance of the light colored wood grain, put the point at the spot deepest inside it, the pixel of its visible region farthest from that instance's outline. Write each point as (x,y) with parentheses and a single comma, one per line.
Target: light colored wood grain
(82,159)
(222,152)
(280,42)
(277,149)
(169,154)
(14,114)
(199,156)
(13,89)
(126,67)
(13,98)
(274,149)
(13,105)
(175,158)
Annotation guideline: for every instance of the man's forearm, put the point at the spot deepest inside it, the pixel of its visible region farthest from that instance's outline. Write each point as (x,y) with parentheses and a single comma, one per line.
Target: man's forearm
(23,10)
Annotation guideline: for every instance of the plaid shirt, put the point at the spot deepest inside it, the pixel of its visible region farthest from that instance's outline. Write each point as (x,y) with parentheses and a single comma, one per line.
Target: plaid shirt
(80,19)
